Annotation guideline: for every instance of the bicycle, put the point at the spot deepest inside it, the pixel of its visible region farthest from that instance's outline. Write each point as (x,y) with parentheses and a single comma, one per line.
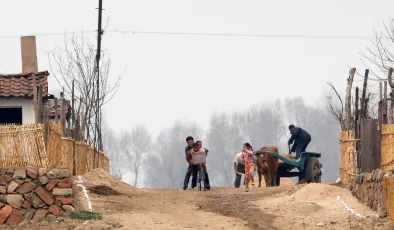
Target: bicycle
(201,177)
(199,159)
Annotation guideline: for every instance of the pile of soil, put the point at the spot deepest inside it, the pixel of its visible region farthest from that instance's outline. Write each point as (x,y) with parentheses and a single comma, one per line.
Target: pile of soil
(284,181)
(289,157)
(310,204)
(103,190)
(99,176)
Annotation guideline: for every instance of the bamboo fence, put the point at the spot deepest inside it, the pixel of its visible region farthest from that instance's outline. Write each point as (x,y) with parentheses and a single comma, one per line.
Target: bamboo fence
(23,146)
(388,196)
(387,147)
(348,167)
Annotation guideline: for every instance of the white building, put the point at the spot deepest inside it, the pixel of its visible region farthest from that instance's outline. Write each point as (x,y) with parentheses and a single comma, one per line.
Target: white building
(16,96)
(16,90)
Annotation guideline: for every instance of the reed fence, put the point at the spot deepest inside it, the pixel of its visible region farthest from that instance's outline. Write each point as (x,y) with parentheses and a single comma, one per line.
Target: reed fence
(387,147)
(24,146)
(388,196)
(348,166)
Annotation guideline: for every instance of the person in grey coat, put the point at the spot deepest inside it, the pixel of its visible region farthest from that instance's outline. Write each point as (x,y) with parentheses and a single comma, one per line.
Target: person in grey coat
(301,139)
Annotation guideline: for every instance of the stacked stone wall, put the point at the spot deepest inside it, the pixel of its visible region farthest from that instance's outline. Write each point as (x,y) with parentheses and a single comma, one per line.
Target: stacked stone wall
(368,188)
(28,194)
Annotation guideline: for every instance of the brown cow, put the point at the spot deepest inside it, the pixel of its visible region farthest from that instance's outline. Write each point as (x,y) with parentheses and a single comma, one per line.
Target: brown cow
(267,167)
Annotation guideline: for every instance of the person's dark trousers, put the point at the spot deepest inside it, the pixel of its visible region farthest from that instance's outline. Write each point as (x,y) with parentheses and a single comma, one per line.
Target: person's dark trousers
(187,178)
(194,169)
(238,177)
(206,182)
(301,147)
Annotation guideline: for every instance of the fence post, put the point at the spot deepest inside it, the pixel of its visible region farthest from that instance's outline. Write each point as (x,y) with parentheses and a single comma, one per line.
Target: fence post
(72,112)
(74,162)
(56,111)
(35,99)
(46,125)
(62,117)
(357,135)
(364,111)
(39,104)
(385,103)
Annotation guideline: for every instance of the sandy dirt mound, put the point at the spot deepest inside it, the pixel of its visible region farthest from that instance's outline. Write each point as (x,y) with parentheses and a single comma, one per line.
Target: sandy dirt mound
(310,206)
(284,181)
(99,176)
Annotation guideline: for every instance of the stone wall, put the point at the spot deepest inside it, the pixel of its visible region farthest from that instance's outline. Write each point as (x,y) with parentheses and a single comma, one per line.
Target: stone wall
(368,189)
(27,194)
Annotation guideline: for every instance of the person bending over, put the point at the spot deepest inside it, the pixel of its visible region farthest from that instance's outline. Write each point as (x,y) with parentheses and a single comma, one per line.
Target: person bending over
(301,140)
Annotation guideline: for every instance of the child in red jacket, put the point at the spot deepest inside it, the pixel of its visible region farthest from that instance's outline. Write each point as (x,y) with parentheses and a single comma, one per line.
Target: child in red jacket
(247,158)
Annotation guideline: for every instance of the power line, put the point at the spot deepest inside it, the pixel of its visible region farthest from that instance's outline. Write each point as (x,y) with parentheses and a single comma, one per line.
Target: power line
(134,32)
(247,35)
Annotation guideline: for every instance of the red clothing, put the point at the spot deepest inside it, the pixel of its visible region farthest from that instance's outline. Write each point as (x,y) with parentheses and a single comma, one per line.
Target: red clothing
(247,156)
(204,166)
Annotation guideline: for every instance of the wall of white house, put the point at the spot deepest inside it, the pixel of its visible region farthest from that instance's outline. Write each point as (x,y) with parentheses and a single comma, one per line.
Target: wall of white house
(27,108)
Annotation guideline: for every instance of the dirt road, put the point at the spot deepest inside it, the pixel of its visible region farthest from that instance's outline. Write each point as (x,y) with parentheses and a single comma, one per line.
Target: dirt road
(285,207)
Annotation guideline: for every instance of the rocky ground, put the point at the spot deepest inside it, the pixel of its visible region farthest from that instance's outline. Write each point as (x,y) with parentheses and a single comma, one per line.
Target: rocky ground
(313,206)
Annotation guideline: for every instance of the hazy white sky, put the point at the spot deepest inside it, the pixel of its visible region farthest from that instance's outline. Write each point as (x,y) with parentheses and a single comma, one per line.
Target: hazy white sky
(188,77)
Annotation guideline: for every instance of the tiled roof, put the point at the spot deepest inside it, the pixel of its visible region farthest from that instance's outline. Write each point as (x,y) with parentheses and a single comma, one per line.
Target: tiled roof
(21,85)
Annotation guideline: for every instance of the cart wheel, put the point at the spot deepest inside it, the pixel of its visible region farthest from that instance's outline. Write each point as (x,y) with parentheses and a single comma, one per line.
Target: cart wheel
(313,171)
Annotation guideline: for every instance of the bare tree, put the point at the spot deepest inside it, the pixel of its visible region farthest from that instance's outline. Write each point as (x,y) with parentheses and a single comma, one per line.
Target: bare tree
(336,112)
(135,143)
(379,56)
(75,61)
(167,164)
(118,159)
(225,139)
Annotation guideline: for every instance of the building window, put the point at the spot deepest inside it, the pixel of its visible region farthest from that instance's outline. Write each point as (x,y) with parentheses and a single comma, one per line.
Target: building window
(11,115)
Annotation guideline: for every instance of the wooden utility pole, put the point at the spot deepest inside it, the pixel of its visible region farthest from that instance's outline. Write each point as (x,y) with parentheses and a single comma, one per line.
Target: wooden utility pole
(97,138)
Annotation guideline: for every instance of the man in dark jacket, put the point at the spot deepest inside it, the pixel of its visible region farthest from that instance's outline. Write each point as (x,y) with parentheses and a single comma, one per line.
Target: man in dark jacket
(301,140)
(190,142)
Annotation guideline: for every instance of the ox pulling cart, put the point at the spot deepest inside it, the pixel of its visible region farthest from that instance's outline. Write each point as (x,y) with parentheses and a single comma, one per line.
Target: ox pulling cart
(309,167)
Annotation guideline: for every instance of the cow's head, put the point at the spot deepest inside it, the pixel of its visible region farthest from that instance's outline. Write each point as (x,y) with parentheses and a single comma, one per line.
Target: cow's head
(263,152)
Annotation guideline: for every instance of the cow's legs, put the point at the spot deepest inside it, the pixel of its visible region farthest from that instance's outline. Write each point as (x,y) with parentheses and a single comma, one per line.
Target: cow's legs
(267,178)
(273,179)
(260,177)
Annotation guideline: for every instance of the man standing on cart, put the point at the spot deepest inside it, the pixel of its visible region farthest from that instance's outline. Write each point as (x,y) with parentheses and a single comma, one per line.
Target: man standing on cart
(301,140)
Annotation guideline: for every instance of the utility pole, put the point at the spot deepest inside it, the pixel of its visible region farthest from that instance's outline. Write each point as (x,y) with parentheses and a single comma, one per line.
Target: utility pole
(98,111)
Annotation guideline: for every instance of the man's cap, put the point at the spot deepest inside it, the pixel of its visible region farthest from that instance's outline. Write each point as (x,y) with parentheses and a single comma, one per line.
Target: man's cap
(291,126)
